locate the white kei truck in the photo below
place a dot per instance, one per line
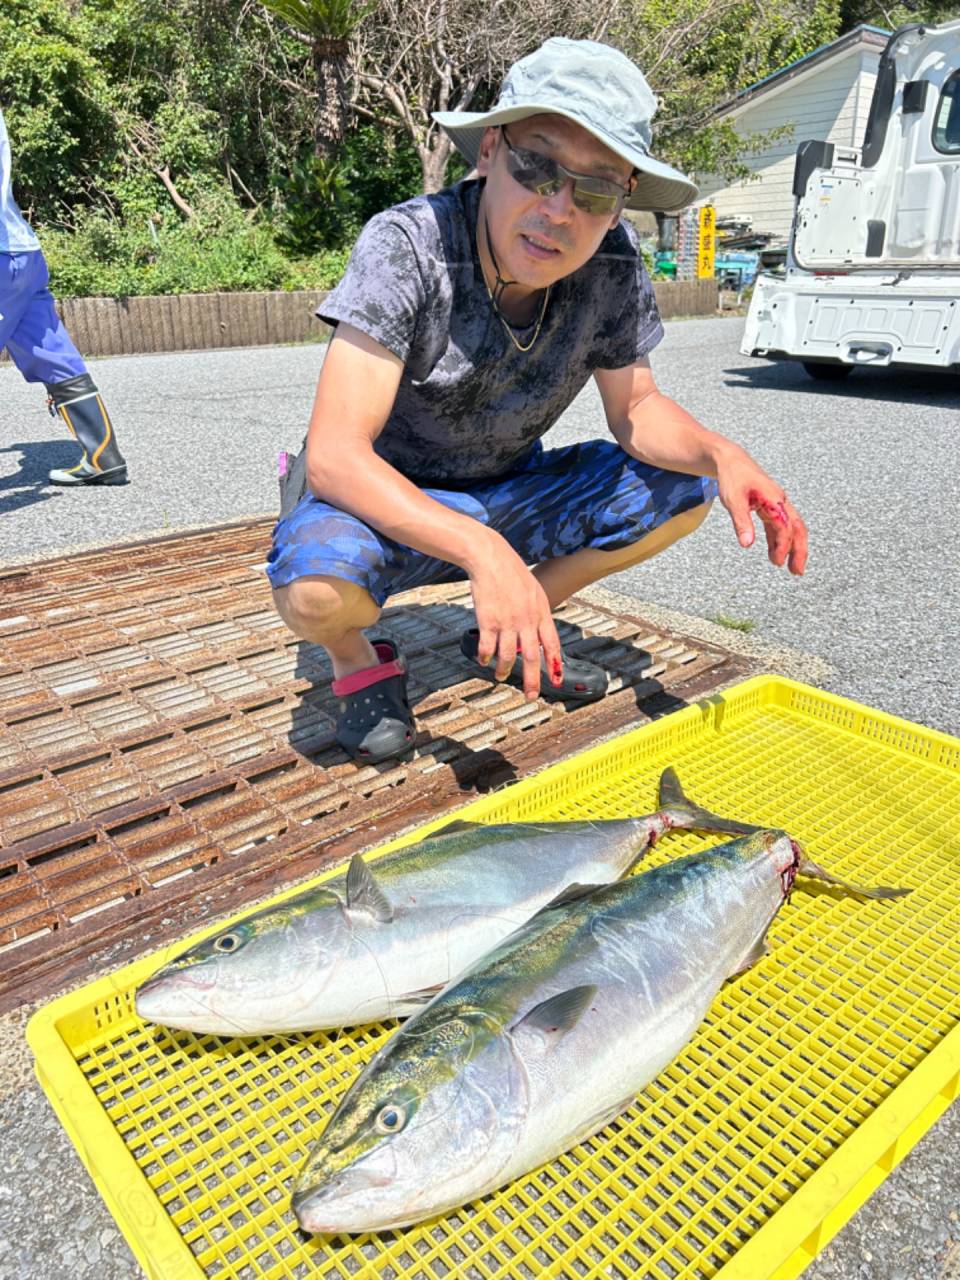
(873, 267)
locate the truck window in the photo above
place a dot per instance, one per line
(946, 126)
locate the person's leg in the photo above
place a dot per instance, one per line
(78, 402)
(19, 273)
(330, 575)
(581, 512)
(42, 350)
(563, 576)
(374, 721)
(331, 612)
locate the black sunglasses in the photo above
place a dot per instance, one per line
(545, 177)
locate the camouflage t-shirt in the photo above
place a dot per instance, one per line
(470, 405)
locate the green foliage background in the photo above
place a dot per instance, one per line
(100, 96)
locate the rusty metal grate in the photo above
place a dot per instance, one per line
(167, 750)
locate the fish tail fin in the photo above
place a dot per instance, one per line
(808, 868)
(684, 813)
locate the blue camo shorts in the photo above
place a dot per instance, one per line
(561, 500)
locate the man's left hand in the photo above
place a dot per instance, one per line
(746, 488)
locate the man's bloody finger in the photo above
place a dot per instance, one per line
(798, 552)
(742, 524)
(781, 542)
(552, 653)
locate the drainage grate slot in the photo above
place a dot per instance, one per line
(137, 824)
(147, 743)
(267, 775)
(209, 797)
(34, 717)
(17, 783)
(90, 762)
(22, 942)
(206, 724)
(63, 852)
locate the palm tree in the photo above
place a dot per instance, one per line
(325, 26)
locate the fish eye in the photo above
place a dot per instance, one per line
(390, 1119)
(227, 942)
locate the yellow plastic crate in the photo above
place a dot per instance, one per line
(811, 1078)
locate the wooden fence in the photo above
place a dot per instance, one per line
(201, 321)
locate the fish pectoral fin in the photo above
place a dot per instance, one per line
(364, 894)
(600, 1119)
(756, 953)
(808, 868)
(558, 1014)
(684, 813)
(413, 1001)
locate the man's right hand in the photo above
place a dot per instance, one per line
(513, 614)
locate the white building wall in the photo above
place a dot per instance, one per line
(829, 103)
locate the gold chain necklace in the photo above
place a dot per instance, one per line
(506, 324)
(501, 285)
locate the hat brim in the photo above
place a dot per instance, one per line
(659, 186)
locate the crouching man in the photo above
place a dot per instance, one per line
(465, 324)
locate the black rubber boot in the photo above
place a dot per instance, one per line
(78, 403)
(375, 721)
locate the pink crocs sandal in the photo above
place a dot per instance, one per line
(375, 721)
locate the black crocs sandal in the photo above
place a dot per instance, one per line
(375, 721)
(582, 681)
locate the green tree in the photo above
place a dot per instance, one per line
(697, 56)
(56, 99)
(325, 27)
(414, 59)
(891, 16)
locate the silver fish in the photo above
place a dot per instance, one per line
(546, 1039)
(378, 943)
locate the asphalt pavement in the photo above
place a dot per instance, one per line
(874, 466)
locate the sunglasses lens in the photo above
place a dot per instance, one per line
(533, 171)
(543, 176)
(593, 201)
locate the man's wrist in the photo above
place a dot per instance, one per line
(478, 550)
(723, 452)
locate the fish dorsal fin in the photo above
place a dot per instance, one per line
(671, 793)
(572, 893)
(685, 813)
(455, 828)
(558, 1014)
(364, 894)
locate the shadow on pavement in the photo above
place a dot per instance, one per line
(920, 387)
(30, 484)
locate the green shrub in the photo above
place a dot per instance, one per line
(324, 203)
(220, 249)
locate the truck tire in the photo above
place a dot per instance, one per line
(827, 372)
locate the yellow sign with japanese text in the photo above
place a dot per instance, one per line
(707, 242)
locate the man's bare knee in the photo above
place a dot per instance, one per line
(320, 608)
